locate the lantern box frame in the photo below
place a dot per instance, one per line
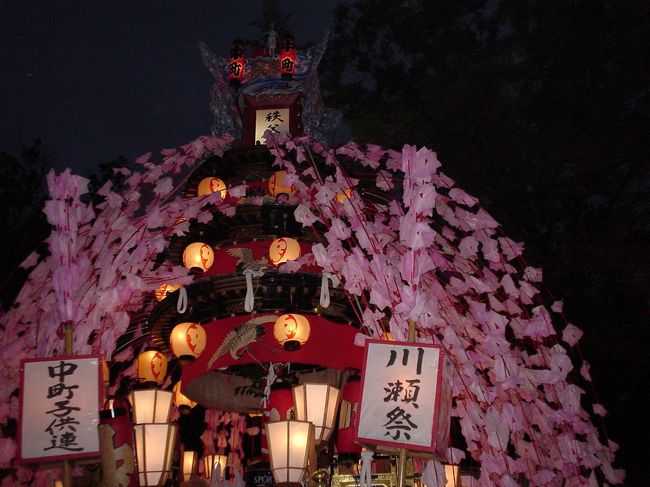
(270, 102)
(22, 415)
(439, 409)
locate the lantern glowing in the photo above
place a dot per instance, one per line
(287, 57)
(187, 341)
(452, 474)
(284, 249)
(317, 403)
(198, 257)
(181, 401)
(344, 195)
(161, 292)
(151, 405)
(151, 366)
(212, 185)
(212, 463)
(189, 464)
(291, 331)
(278, 185)
(236, 63)
(154, 445)
(291, 443)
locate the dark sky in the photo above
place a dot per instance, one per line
(98, 79)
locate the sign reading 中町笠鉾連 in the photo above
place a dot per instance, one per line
(59, 408)
(403, 395)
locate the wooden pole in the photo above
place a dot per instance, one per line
(67, 467)
(401, 460)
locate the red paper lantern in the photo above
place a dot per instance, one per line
(287, 57)
(349, 417)
(280, 403)
(116, 444)
(236, 63)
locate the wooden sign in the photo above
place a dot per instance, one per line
(59, 408)
(404, 401)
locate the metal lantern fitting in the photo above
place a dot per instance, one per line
(291, 445)
(151, 405)
(211, 185)
(317, 403)
(210, 464)
(198, 257)
(284, 249)
(181, 401)
(189, 464)
(291, 331)
(278, 185)
(287, 57)
(151, 366)
(161, 292)
(187, 341)
(154, 445)
(236, 63)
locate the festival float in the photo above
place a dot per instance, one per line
(271, 305)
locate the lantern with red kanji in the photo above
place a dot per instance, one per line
(279, 186)
(151, 366)
(236, 63)
(187, 341)
(280, 402)
(291, 331)
(287, 57)
(284, 249)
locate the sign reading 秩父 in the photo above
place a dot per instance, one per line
(403, 396)
(59, 408)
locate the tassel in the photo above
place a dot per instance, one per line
(325, 290)
(249, 301)
(181, 305)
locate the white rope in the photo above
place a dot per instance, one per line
(181, 304)
(325, 288)
(249, 301)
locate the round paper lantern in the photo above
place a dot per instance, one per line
(279, 186)
(151, 366)
(212, 185)
(198, 257)
(187, 341)
(291, 331)
(284, 249)
(162, 292)
(181, 401)
(343, 195)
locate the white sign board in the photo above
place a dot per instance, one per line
(59, 408)
(400, 401)
(275, 120)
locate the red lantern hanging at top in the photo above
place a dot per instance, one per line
(236, 63)
(287, 57)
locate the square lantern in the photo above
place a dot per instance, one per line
(151, 406)
(212, 463)
(317, 403)
(154, 445)
(189, 465)
(291, 450)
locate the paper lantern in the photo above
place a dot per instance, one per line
(317, 403)
(341, 196)
(291, 445)
(116, 443)
(187, 341)
(189, 464)
(198, 257)
(151, 366)
(280, 402)
(291, 331)
(348, 417)
(236, 63)
(287, 57)
(284, 249)
(452, 474)
(154, 445)
(151, 405)
(212, 185)
(161, 292)
(278, 185)
(181, 401)
(212, 462)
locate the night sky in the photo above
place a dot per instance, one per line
(95, 80)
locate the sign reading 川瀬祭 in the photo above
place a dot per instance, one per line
(405, 400)
(59, 408)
